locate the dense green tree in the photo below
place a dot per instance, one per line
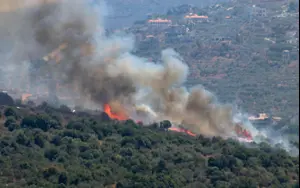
(22, 139)
(292, 6)
(5, 99)
(10, 111)
(41, 121)
(9, 120)
(65, 109)
(51, 154)
(165, 124)
(39, 139)
(89, 152)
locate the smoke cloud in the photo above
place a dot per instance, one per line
(108, 72)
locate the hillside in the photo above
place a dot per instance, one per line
(248, 67)
(243, 53)
(125, 13)
(46, 147)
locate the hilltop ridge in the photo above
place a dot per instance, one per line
(43, 146)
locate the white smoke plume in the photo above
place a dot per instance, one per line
(267, 134)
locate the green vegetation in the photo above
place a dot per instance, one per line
(250, 69)
(292, 6)
(46, 147)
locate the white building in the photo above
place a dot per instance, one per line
(259, 12)
(193, 18)
(159, 23)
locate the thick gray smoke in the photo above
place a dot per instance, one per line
(108, 71)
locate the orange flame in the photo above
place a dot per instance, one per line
(113, 115)
(242, 132)
(181, 130)
(25, 96)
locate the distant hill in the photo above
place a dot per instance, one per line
(125, 13)
(247, 68)
(121, 13)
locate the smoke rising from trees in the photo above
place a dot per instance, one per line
(109, 72)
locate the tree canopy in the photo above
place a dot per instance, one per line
(46, 147)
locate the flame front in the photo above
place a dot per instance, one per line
(112, 115)
(121, 116)
(243, 132)
(181, 130)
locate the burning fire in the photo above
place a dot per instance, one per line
(243, 132)
(181, 130)
(119, 114)
(243, 135)
(114, 115)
